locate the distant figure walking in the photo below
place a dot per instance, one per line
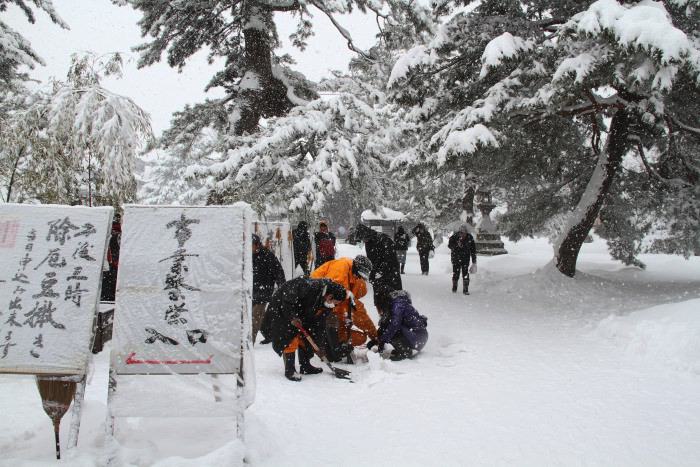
(302, 247)
(462, 248)
(401, 242)
(325, 244)
(424, 245)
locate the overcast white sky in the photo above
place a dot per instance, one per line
(102, 27)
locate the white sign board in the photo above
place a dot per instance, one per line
(277, 237)
(182, 291)
(50, 267)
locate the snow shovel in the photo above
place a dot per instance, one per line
(348, 330)
(338, 372)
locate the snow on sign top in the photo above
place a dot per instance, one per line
(382, 214)
(182, 290)
(50, 266)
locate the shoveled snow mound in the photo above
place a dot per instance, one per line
(668, 334)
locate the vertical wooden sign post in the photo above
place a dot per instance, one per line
(50, 268)
(181, 338)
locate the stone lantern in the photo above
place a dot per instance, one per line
(488, 240)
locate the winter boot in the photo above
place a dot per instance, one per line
(305, 366)
(454, 285)
(290, 371)
(465, 290)
(401, 350)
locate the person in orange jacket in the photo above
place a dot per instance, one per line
(351, 274)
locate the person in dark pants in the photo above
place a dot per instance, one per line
(401, 242)
(424, 245)
(382, 253)
(302, 247)
(400, 325)
(325, 244)
(301, 302)
(462, 248)
(109, 277)
(267, 271)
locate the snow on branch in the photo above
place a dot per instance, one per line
(645, 25)
(506, 46)
(302, 156)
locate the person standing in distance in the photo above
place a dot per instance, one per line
(325, 244)
(267, 271)
(462, 248)
(302, 246)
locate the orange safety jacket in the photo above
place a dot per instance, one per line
(340, 271)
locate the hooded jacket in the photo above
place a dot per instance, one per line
(340, 271)
(267, 271)
(299, 298)
(462, 249)
(302, 242)
(403, 318)
(381, 251)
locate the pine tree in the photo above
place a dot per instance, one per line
(546, 100)
(16, 52)
(306, 150)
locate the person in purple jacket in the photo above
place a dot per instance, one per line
(400, 325)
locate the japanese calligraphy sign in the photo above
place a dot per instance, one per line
(277, 237)
(50, 267)
(182, 290)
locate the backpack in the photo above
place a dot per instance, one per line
(326, 248)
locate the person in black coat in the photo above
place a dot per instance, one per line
(267, 271)
(325, 244)
(302, 246)
(109, 277)
(381, 251)
(424, 245)
(462, 248)
(301, 302)
(401, 242)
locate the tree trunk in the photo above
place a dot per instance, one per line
(14, 172)
(582, 218)
(468, 203)
(269, 97)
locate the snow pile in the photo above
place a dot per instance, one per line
(382, 214)
(668, 334)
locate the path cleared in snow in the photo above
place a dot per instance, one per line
(531, 369)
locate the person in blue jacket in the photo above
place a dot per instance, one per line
(400, 325)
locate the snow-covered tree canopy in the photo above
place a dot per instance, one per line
(76, 136)
(15, 51)
(306, 150)
(545, 99)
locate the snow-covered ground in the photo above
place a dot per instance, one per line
(531, 369)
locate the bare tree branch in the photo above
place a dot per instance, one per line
(344, 32)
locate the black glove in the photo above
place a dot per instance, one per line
(373, 343)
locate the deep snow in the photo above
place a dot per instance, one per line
(531, 369)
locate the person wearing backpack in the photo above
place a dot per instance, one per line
(325, 244)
